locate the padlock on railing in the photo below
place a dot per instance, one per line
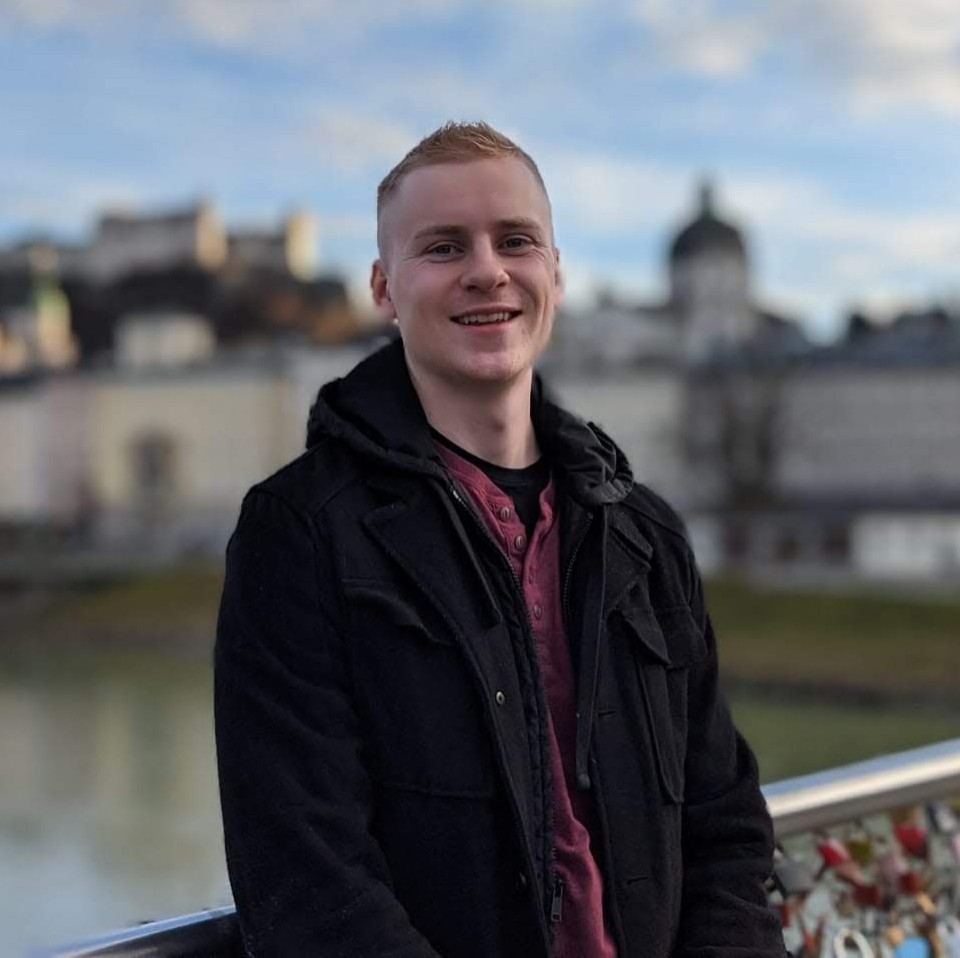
(846, 943)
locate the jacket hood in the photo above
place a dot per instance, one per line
(375, 410)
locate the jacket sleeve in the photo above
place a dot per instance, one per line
(308, 878)
(727, 832)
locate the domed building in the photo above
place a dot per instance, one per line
(710, 284)
(708, 315)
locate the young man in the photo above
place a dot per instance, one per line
(466, 688)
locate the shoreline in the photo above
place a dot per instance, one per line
(862, 648)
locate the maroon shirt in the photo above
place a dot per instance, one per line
(581, 932)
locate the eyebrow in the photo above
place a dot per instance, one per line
(451, 229)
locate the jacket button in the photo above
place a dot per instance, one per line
(538, 611)
(520, 543)
(504, 513)
(499, 698)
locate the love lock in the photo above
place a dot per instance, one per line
(848, 942)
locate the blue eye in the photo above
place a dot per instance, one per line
(516, 242)
(442, 249)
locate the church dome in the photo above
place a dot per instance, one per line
(707, 233)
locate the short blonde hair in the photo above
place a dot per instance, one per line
(454, 142)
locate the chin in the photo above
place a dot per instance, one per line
(494, 369)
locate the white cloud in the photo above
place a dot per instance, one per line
(72, 206)
(350, 142)
(885, 54)
(806, 211)
(696, 36)
(820, 253)
(77, 14)
(272, 27)
(342, 226)
(283, 26)
(608, 196)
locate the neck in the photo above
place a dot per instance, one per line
(492, 421)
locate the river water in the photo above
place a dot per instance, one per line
(108, 798)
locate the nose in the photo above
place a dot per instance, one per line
(483, 269)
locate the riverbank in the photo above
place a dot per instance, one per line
(860, 646)
(172, 610)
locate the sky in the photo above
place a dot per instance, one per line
(830, 128)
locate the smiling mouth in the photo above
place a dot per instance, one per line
(485, 319)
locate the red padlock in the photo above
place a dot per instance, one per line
(868, 896)
(833, 852)
(911, 883)
(912, 838)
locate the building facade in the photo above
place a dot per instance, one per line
(783, 457)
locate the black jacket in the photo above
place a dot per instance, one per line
(381, 722)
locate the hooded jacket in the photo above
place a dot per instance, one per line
(381, 720)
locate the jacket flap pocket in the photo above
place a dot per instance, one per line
(372, 599)
(663, 690)
(682, 637)
(646, 629)
(628, 560)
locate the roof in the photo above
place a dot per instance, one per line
(707, 232)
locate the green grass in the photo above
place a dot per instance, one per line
(184, 592)
(174, 608)
(895, 644)
(791, 738)
(828, 640)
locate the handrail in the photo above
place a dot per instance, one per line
(837, 795)
(204, 934)
(801, 804)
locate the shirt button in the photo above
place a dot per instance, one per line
(520, 543)
(538, 611)
(504, 513)
(499, 698)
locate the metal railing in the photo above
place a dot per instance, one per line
(838, 795)
(205, 934)
(797, 805)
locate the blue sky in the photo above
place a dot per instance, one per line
(831, 127)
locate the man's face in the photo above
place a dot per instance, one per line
(469, 270)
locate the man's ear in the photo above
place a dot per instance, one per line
(380, 289)
(558, 276)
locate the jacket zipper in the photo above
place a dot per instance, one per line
(568, 576)
(460, 499)
(603, 821)
(556, 901)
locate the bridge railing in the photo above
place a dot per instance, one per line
(806, 805)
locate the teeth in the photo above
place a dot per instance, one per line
(480, 319)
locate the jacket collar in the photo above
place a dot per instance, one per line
(375, 409)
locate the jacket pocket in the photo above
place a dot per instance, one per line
(424, 732)
(379, 601)
(664, 642)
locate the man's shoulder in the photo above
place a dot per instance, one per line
(307, 484)
(655, 517)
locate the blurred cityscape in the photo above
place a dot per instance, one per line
(185, 220)
(151, 374)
